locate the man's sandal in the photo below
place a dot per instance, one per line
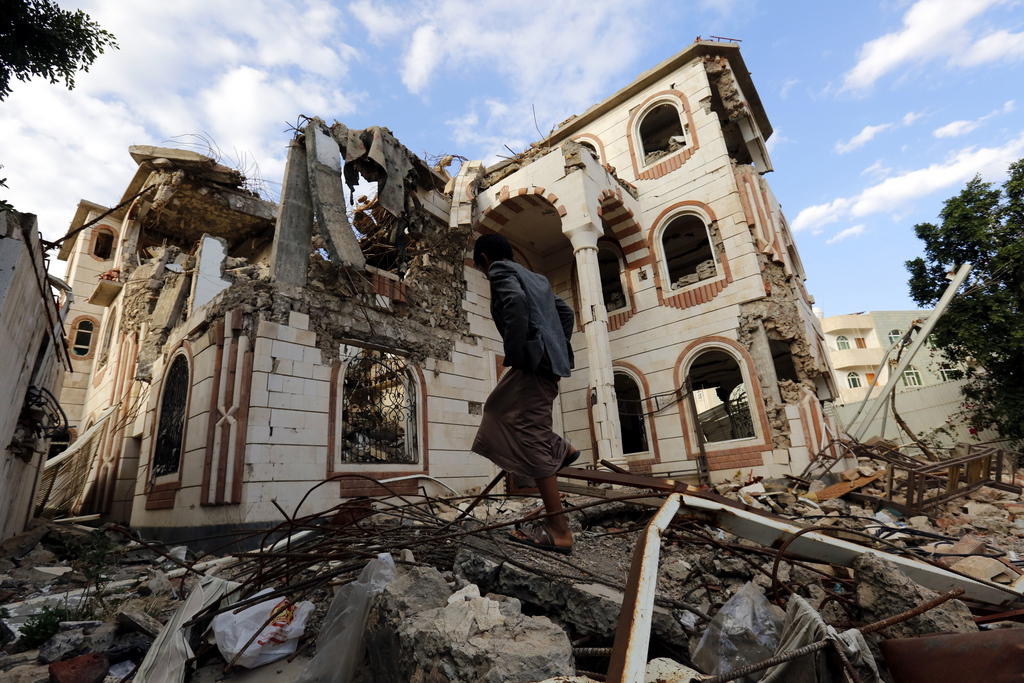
(538, 536)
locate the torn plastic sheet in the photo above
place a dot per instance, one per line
(339, 647)
(804, 626)
(165, 661)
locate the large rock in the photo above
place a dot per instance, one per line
(884, 591)
(416, 633)
(592, 609)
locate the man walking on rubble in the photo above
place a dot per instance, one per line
(515, 432)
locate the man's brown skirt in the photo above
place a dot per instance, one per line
(515, 432)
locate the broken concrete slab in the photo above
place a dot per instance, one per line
(289, 258)
(88, 668)
(209, 280)
(884, 591)
(591, 609)
(412, 637)
(323, 160)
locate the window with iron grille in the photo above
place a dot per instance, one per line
(170, 434)
(379, 415)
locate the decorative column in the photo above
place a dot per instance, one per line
(603, 407)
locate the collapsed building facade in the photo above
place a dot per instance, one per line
(227, 352)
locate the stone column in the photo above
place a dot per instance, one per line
(594, 319)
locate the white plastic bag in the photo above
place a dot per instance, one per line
(278, 639)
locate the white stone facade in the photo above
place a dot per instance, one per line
(259, 370)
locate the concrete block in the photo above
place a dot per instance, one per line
(298, 320)
(287, 350)
(312, 355)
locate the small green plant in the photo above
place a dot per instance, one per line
(39, 628)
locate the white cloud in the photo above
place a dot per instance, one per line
(555, 57)
(931, 29)
(910, 117)
(964, 126)
(424, 54)
(379, 20)
(896, 192)
(236, 70)
(852, 231)
(787, 85)
(877, 170)
(996, 46)
(866, 134)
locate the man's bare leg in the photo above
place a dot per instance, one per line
(557, 524)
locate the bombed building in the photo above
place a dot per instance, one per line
(229, 353)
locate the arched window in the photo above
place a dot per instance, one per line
(895, 336)
(103, 246)
(853, 380)
(81, 345)
(842, 343)
(610, 267)
(950, 373)
(720, 397)
(661, 132)
(911, 377)
(688, 255)
(631, 414)
(592, 147)
(170, 433)
(379, 414)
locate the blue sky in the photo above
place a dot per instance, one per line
(881, 109)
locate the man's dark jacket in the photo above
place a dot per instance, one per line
(534, 324)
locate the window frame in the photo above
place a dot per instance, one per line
(911, 371)
(611, 245)
(899, 335)
(684, 123)
(645, 422)
(73, 333)
(753, 397)
(947, 369)
(840, 340)
(176, 475)
(662, 257)
(94, 238)
(851, 377)
(347, 355)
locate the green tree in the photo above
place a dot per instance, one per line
(38, 38)
(983, 328)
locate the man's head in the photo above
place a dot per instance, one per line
(491, 248)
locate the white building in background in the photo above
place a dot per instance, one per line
(929, 389)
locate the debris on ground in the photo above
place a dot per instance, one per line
(421, 588)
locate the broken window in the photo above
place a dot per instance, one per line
(949, 373)
(82, 344)
(895, 336)
(103, 246)
(610, 266)
(661, 132)
(782, 359)
(842, 343)
(170, 434)
(631, 414)
(721, 397)
(688, 255)
(591, 147)
(911, 377)
(853, 380)
(380, 411)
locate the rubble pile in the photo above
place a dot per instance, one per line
(417, 589)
